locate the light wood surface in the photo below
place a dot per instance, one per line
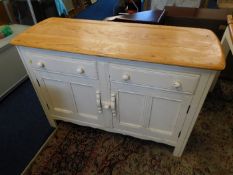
(179, 46)
(225, 4)
(230, 24)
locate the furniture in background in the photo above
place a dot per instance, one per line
(3, 15)
(145, 17)
(28, 12)
(213, 19)
(12, 71)
(146, 81)
(225, 4)
(42, 9)
(146, 5)
(133, 6)
(227, 44)
(160, 4)
(125, 7)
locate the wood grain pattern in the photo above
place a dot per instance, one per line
(225, 4)
(179, 46)
(230, 24)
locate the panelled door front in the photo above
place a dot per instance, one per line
(73, 97)
(149, 112)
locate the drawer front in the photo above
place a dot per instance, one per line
(63, 65)
(168, 80)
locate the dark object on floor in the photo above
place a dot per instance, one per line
(23, 129)
(213, 19)
(82, 150)
(145, 17)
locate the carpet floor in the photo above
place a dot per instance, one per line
(76, 150)
(23, 129)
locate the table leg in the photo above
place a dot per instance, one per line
(227, 46)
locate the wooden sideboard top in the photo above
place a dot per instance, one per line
(188, 47)
(230, 24)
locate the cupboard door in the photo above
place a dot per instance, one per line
(152, 113)
(58, 96)
(167, 115)
(86, 101)
(130, 111)
(72, 97)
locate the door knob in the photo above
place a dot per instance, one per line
(80, 70)
(176, 84)
(107, 106)
(125, 77)
(40, 65)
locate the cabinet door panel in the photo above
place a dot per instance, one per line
(167, 115)
(152, 113)
(85, 99)
(164, 114)
(69, 96)
(59, 96)
(130, 107)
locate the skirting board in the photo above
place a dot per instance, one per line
(13, 87)
(38, 152)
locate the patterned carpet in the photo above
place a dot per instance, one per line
(76, 150)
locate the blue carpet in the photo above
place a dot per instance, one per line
(99, 10)
(212, 4)
(23, 129)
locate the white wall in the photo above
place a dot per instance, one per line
(160, 4)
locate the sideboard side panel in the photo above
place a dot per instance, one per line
(196, 105)
(35, 86)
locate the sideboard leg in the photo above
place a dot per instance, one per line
(214, 81)
(52, 123)
(227, 47)
(178, 151)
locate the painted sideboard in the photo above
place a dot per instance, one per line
(145, 81)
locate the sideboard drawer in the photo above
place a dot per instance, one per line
(168, 80)
(63, 65)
